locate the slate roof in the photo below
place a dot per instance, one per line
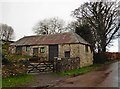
(62, 38)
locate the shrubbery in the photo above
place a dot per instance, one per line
(99, 58)
(13, 69)
(11, 65)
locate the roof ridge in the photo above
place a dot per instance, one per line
(59, 38)
(46, 34)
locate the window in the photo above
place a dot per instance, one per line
(86, 48)
(67, 54)
(19, 50)
(35, 51)
(42, 49)
(27, 48)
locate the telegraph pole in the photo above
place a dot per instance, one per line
(119, 41)
(119, 28)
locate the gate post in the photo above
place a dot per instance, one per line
(58, 65)
(54, 64)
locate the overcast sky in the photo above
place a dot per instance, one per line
(22, 15)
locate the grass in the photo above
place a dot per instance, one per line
(84, 70)
(22, 56)
(111, 61)
(0, 82)
(20, 80)
(79, 71)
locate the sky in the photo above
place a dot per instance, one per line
(22, 15)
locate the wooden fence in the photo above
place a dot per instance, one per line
(63, 64)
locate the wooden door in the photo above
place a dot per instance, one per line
(53, 52)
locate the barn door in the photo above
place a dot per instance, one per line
(53, 52)
(35, 51)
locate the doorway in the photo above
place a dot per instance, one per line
(35, 51)
(53, 52)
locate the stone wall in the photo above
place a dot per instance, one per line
(87, 56)
(63, 64)
(41, 55)
(76, 50)
(30, 53)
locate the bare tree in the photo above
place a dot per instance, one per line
(103, 20)
(49, 26)
(6, 32)
(72, 26)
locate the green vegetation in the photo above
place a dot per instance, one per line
(22, 56)
(110, 61)
(20, 80)
(0, 82)
(12, 64)
(14, 69)
(79, 71)
(84, 70)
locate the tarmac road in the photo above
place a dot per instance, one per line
(112, 79)
(106, 77)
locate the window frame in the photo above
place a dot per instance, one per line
(27, 48)
(42, 49)
(67, 53)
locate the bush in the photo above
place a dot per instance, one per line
(5, 61)
(99, 58)
(25, 62)
(13, 69)
(12, 66)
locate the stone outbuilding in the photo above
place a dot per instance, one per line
(61, 45)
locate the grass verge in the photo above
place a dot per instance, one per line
(84, 70)
(20, 80)
(79, 71)
(0, 82)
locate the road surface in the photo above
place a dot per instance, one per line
(106, 77)
(112, 79)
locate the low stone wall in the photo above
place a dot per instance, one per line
(63, 64)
